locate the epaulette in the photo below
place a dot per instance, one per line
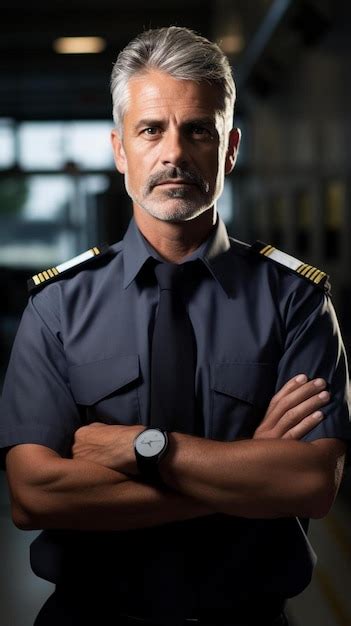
(53, 273)
(309, 272)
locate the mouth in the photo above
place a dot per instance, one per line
(174, 183)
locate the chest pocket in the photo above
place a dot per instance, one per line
(107, 388)
(241, 393)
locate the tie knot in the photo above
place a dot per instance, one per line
(168, 275)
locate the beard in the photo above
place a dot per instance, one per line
(178, 204)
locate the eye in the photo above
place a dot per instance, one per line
(151, 131)
(199, 131)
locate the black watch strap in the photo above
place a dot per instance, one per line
(149, 472)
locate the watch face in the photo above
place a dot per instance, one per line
(150, 443)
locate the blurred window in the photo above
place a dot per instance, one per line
(41, 146)
(7, 143)
(88, 144)
(45, 219)
(48, 202)
(51, 145)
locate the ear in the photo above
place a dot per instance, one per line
(118, 152)
(233, 149)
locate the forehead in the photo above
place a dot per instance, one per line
(157, 93)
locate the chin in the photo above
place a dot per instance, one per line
(176, 214)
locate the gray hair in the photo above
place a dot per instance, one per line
(179, 52)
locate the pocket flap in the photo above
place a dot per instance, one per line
(251, 382)
(90, 382)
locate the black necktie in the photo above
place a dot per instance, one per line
(173, 355)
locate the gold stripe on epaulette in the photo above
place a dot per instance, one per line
(267, 250)
(310, 272)
(305, 270)
(45, 275)
(314, 274)
(319, 278)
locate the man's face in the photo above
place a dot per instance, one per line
(173, 152)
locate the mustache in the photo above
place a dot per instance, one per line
(188, 176)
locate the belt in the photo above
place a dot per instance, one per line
(211, 620)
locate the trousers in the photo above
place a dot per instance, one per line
(63, 610)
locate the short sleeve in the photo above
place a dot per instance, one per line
(314, 346)
(37, 405)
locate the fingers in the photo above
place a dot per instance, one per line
(293, 396)
(291, 385)
(304, 426)
(295, 409)
(302, 414)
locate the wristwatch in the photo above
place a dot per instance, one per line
(150, 446)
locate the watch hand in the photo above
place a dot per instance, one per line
(150, 441)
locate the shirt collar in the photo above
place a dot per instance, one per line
(136, 251)
(215, 256)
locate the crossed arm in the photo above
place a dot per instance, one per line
(274, 474)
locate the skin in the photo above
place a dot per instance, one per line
(174, 154)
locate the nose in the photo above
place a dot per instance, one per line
(173, 148)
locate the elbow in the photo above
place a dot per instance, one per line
(24, 522)
(22, 518)
(321, 508)
(327, 475)
(27, 508)
(31, 472)
(322, 497)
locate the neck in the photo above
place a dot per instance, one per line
(175, 240)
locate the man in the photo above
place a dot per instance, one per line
(209, 525)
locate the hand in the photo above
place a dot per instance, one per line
(294, 410)
(110, 446)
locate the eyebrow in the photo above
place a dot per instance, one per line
(145, 123)
(208, 121)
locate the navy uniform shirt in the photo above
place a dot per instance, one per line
(82, 354)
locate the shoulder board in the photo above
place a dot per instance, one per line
(53, 273)
(309, 272)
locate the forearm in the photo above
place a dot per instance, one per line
(263, 479)
(82, 495)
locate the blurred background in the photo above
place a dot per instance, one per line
(60, 194)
